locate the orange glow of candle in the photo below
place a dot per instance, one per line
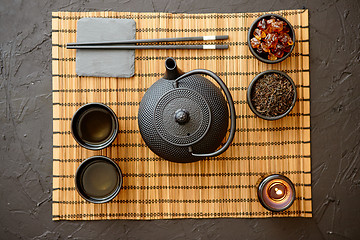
(276, 193)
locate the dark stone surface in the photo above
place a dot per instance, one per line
(26, 127)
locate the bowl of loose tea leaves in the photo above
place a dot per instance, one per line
(271, 38)
(271, 95)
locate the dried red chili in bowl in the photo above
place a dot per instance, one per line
(271, 38)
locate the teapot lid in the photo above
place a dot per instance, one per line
(182, 117)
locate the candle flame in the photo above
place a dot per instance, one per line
(278, 191)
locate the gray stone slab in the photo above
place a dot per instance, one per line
(105, 62)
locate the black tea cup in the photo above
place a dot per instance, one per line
(94, 126)
(98, 179)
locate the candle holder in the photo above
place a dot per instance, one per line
(276, 193)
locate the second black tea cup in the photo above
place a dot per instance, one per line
(98, 179)
(94, 126)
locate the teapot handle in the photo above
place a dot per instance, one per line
(231, 107)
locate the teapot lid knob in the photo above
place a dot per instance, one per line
(182, 116)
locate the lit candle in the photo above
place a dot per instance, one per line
(276, 193)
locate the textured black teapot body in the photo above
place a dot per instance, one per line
(184, 117)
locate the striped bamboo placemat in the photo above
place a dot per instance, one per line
(154, 188)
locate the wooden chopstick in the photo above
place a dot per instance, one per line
(180, 39)
(130, 47)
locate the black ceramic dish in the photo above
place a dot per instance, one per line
(263, 57)
(94, 126)
(250, 88)
(98, 179)
(276, 205)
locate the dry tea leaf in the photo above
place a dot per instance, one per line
(272, 95)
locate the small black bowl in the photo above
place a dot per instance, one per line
(94, 126)
(98, 179)
(249, 91)
(263, 57)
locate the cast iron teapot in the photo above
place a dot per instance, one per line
(183, 117)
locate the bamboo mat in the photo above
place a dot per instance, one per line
(224, 186)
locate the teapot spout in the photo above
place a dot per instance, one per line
(172, 71)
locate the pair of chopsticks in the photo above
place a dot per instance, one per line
(122, 44)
